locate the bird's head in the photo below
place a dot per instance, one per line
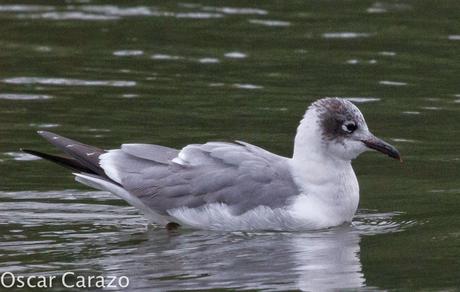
(339, 128)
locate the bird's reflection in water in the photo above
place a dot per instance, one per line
(313, 261)
(329, 260)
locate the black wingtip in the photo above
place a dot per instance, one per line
(64, 161)
(52, 137)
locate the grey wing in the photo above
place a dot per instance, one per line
(240, 175)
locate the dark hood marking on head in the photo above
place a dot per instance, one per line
(332, 113)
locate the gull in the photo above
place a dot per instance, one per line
(237, 186)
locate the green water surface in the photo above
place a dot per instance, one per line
(175, 73)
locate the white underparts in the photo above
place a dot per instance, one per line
(220, 217)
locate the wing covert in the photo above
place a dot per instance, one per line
(241, 175)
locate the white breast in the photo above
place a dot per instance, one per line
(329, 194)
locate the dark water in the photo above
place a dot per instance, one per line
(175, 73)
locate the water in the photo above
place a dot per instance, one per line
(175, 73)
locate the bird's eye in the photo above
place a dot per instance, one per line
(349, 127)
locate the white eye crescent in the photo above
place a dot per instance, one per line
(349, 127)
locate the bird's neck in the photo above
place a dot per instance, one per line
(308, 143)
(311, 158)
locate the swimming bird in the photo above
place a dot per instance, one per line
(237, 186)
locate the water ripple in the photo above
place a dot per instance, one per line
(236, 10)
(24, 8)
(105, 12)
(123, 53)
(209, 60)
(45, 125)
(235, 55)
(454, 37)
(165, 57)
(111, 10)
(356, 61)
(71, 15)
(68, 82)
(403, 140)
(387, 53)
(345, 35)
(362, 99)
(247, 86)
(20, 156)
(198, 15)
(383, 7)
(432, 108)
(15, 96)
(392, 83)
(370, 222)
(275, 23)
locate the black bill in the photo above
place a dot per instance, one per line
(382, 146)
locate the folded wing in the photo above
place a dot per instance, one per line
(239, 175)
